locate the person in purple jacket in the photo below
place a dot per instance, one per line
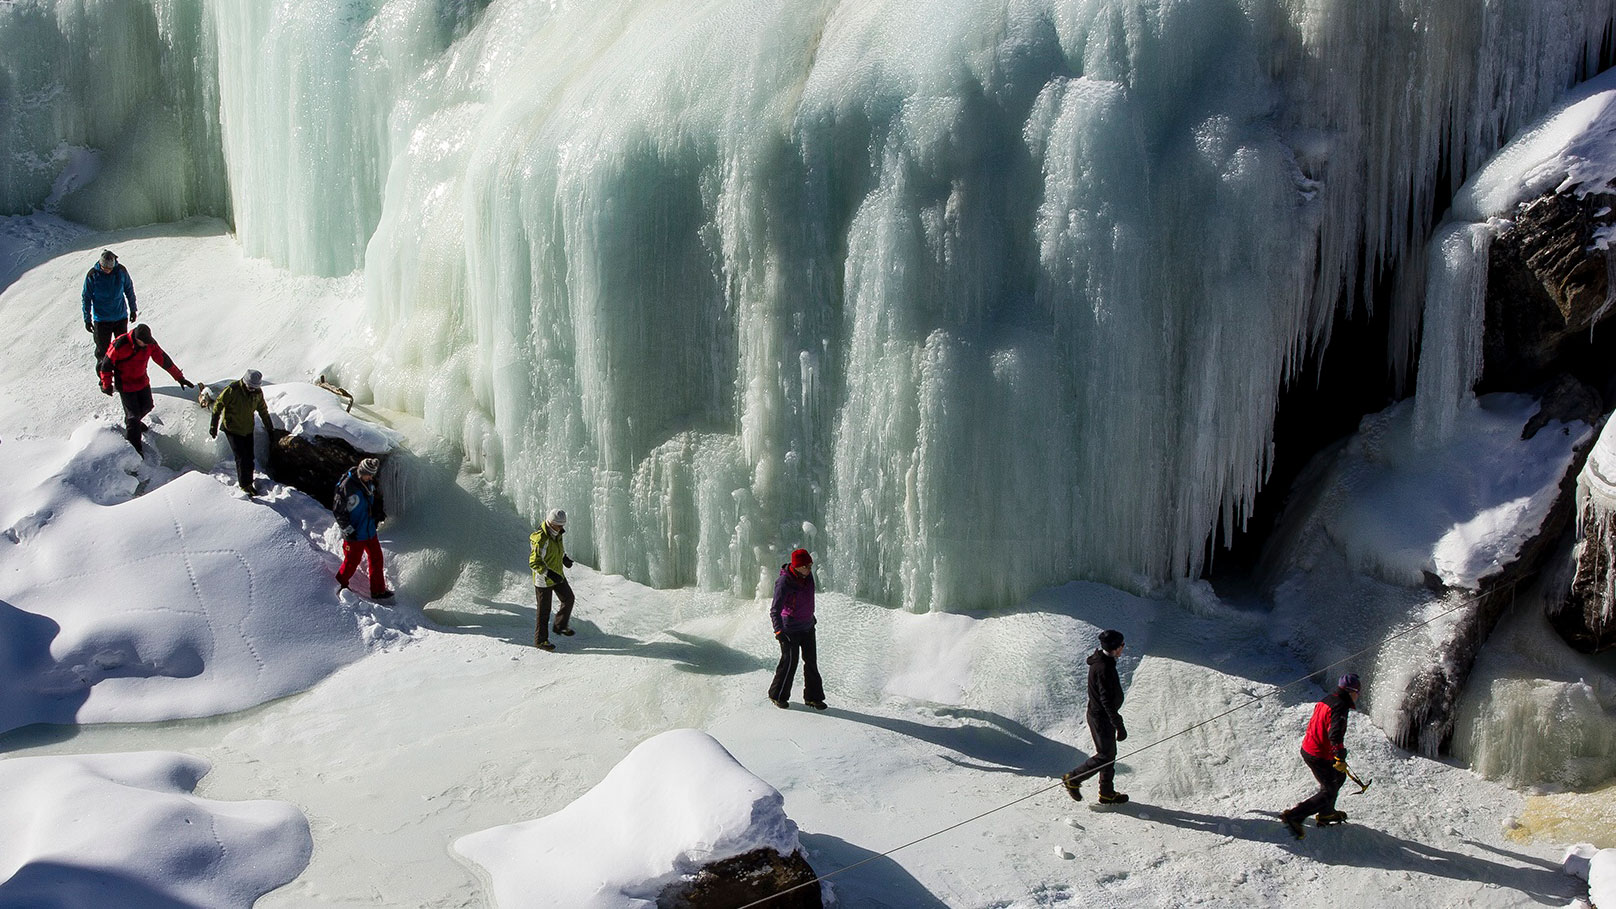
(792, 615)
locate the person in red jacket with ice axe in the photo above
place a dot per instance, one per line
(123, 369)
(1324, 755)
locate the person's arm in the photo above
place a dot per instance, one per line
(779, 601)
(88, 326)
(1111, 694)
(263, 412)
(1338, 729)
(129, 292)
(339, 508)
(218, 410)
(168, 365)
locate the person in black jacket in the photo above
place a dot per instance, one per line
(1105, 723)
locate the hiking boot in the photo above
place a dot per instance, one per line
(1326, 818)
(382, 595)
(1073, 787)
(544, 645)
(1113, 798)
(780, 704)
(1295, 825)
(566, 631)
(817, 705)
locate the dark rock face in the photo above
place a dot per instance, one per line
(744, 879)
(313, 464)
(1586, 617)
(1431, 701)
(1547, 287)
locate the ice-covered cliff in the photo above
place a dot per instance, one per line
(969, 298)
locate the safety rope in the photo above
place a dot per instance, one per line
(1140, 750)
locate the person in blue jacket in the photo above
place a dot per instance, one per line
(109, 302)
(358, 509)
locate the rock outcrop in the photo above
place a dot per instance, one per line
(312, 464)
(1586, 616)
(746, 879)
(1548, 285)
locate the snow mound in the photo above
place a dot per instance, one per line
(186, 601)
(305, 409)
(677, 802)
(124, 830)
(1459, 512)
(1598, 868)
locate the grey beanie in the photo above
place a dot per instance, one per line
(557, 516)
(252, 378)
(370, 467)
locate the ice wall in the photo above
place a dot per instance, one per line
(132, 80)
(969, 297)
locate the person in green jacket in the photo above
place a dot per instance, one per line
(235, 407)
(549, 561)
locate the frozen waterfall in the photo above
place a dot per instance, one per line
(968, 297)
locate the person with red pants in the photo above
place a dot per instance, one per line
(358, 509)
(792, 615)
(1323, 753)
(124, 369)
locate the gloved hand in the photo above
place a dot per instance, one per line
(187, 383)
(107, 392)
(554, 578)
(213, 432)
(1122, 733)
(1340, 765)
(348, 533)
(89, 326)
(566, 561)
(381, 516)
(133, 316)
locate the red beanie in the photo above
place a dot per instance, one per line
(800, 558)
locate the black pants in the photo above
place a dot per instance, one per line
(104, 333)
(795, 645)
(136, 404)
(563, 592)
(1104, 761)
(242, 448)
(1330, 780)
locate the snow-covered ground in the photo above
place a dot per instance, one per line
(442, 721)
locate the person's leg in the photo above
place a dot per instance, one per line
(786, 670)
(541, 633)
(136, 404)
(563, 619)
(813, 687)
(373, 553)
(1103, 761)
(104, 333)
(242, 448)
(351, 553)
(1324, 798)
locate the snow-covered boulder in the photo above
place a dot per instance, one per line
(124, 830)
(677, 803)
(188, 600)
(318, 440)
(1587, 616)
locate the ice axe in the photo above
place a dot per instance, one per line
(1362, 786)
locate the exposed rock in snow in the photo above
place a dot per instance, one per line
(677, 804)
(1586, 618)
(123, 830)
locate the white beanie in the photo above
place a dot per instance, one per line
(557, 516)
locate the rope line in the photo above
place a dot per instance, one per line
(1140, 750)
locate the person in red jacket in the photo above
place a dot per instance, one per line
(1324, 754)
(123, 369)
(792, 615)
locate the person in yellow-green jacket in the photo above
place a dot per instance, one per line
(235, 407)
(549, 562)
